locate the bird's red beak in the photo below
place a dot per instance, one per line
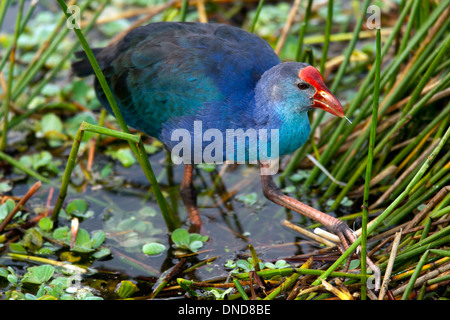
(323, 98)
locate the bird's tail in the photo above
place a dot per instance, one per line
(82, 67)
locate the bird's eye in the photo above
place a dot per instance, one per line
(302, 86)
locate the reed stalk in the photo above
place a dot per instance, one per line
(373, 127)
(415, 275)
(300, 55)
(22, 27)
(3, 7)
(255, 19)
(12, 60)
(183, 10)
(326, 42)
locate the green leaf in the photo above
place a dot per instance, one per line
(98, 237)
(82, 249)
(126, 157)
(180, 237)
(82, 237)
(101, 253)
(197, 237)
(46, 224)
(207, 167)
(82, 243)
(6, 208)
(3, 272)
(289, 189)
(230, 264)
(354, 264)
(38, 275)
(346, 202)
(153, 148)
(183, 240)
(300, 175)
(195, 245)
(51, 122)
(17, 248)
(52, 129)
(32, 239)
(29, 296)
(114, 27)
(147, 212)
(12, 278)
(153, 248)
(244, 265)
(77, 207)
(79, 90)
(106, 170)
(91, 297)
(45, 251)
(282, 264)
(126, 289)
(60, 233)
(50, 90)
(36, 161)
(249, 199)
(5, 186)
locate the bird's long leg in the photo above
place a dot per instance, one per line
(336, 226)
(189, 196)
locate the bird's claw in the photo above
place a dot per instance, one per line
(347, 237)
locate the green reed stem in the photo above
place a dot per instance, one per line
(428, 74)
(443, 253)
(22, 27)
(240, 289)
(421, 247)
(71, 162)
(21, 167)
(415, 275)
(255, 19)
(12, 59)
(138, 149)
(426, 229)
(183, 10)
(373, 127)
(299, 55)
(53, 41)
(409, 26)
(3, 7)
(68, 54)
(350, 48)
(326, 42)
